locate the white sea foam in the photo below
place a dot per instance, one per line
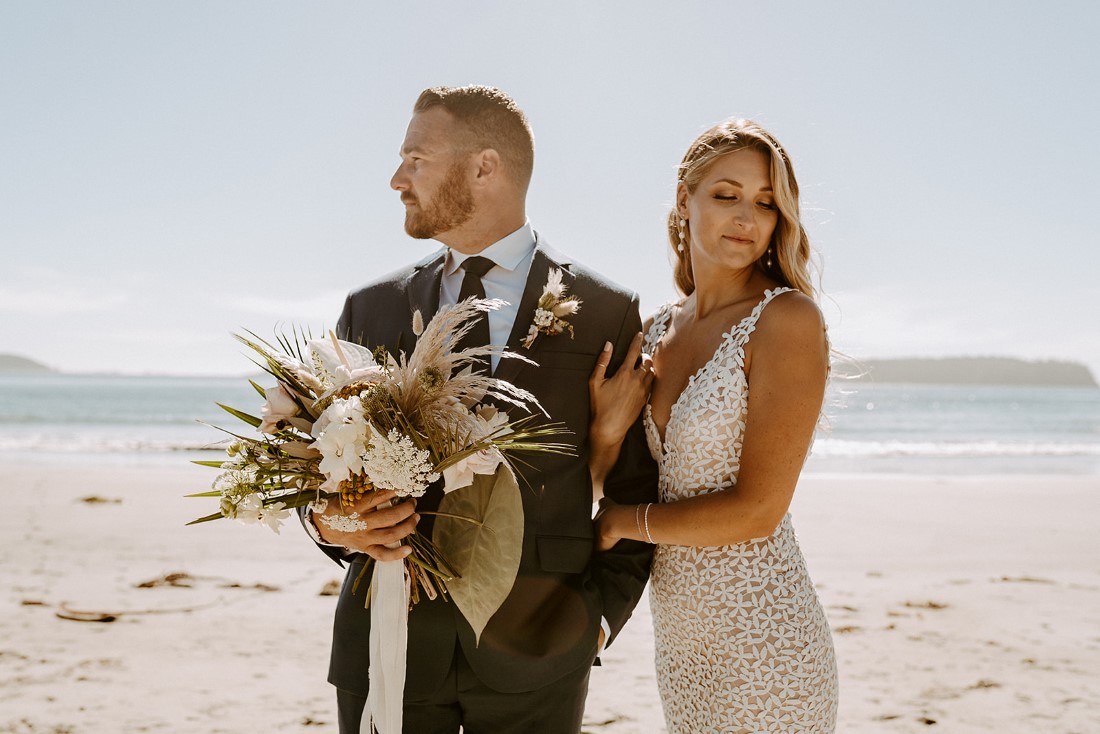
(841, 448)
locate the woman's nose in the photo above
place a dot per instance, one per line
(742, 214)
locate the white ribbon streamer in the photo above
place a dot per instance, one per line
(389, 637)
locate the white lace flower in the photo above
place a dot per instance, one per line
(235, 483)
(393, 461)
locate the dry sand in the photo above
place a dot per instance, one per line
(957, 605)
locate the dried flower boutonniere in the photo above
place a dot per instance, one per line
(554, 305)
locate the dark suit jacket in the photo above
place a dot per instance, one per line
(548, 625)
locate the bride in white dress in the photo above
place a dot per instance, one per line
(731, 386)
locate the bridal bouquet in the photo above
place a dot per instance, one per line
(342, 421)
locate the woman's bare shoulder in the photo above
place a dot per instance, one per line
(790, 318)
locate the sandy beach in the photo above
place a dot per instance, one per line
(957, 605)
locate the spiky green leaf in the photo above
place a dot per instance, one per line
(249, 419)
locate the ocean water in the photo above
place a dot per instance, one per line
(947, 429)
(868, 428)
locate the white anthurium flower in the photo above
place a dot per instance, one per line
(374, 373)
(308, 379)
(279, 407)
(345, 361)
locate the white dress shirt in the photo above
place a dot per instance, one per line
(512, 256)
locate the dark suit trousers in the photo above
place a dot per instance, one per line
(463, 700)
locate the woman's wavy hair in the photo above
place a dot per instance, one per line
(791, 261)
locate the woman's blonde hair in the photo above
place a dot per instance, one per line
(791, 261)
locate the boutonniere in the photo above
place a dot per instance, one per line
(553, 308)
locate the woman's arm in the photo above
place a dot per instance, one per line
(615, 404)
(786, 366)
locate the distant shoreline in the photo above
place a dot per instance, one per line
(988, 371)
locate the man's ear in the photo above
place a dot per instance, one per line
(488, 166)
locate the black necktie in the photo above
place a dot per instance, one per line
(472, 287)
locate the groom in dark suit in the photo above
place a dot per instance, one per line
(465, 166)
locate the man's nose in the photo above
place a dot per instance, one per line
(399, 181)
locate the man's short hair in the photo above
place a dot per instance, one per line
(491, 120)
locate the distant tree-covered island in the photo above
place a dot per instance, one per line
(972, 371)
(13, 364)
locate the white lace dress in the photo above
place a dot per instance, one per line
(742, 644)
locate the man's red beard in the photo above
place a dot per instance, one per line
(452, 207)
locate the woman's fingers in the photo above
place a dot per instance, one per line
(635, 361)
(634, 353)
(599, 374)
(647, 369)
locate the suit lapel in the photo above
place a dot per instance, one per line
(423, 291)
(543, 260)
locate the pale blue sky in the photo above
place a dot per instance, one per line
(174, 171)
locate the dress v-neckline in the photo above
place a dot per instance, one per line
(662, 436)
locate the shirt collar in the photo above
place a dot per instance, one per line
(507, 252)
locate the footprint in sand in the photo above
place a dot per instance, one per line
(187, 581)
(1023, 580)
(983, 683)
(925, 605)
(93, 499)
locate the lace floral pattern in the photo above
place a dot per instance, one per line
(742, 644)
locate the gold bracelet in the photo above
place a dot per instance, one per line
(648, 537)
(638, 519)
